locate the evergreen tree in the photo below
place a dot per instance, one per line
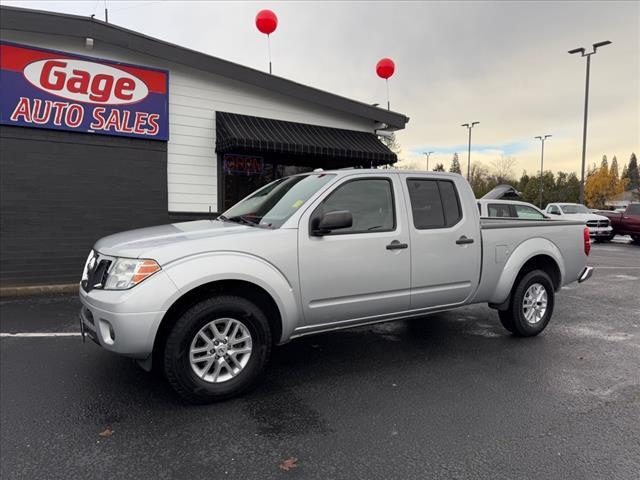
(625, 173)
(524, 180)
(613, 171)
(633, 174)
(604, 165)
(455, 164)
(572, 191)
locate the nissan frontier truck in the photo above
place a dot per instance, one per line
(205, 302)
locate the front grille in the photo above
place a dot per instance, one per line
(97, 276)
(597, 223)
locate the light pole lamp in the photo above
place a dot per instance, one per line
(542, 139)
(583, 53)
(469, 127)
(428, 154)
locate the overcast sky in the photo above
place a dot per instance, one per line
(504, 64)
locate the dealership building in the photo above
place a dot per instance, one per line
(103, 129)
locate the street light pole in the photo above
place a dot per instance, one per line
(428, 154)
(469, 127)
(582, 53)
(542, 140)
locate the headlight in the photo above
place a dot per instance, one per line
(128, 272)
(86, 266)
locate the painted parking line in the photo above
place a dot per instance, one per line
(39, 334)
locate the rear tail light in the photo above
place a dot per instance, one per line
(587, 241)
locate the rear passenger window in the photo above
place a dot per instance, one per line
(523, 211)
(499, 210)
(434, 203)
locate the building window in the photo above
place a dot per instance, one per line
(242, 175)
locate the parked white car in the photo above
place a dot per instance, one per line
(509, 209)
(599, 226)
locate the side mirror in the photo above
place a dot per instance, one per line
(331, 221)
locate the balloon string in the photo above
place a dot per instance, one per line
(388, 102)
(269, 48)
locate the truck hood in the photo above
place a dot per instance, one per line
(584, 216)
(140, 242)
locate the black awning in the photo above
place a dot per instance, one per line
(299, 142)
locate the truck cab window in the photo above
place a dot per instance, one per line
(434, 203)
(500, 210)
(370, 202)
(523, 211)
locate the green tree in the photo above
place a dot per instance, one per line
(572, 189)
(455, 164)
(531, 193)
(613, 170)
(604, 165)
(439, 167)
(478, 179)
(625, 172)
(633, 175)
(522, 183)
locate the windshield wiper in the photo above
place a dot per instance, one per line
(239, 219)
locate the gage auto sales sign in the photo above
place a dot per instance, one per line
(49, 89)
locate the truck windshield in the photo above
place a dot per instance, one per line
(574, 209)
(634, 209)
(274, 203)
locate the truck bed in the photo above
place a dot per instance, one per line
(491, 223)
(502, 242)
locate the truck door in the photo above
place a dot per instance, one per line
(445, 242)
(361, 271)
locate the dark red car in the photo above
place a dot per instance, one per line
(625, 223)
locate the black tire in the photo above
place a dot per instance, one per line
(177, 365)
(513, 319)
(635, 238)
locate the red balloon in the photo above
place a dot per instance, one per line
(385, 68)
(266, 21)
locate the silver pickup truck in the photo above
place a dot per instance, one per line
(206, 301)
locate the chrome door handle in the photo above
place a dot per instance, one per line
(464, 240)
(396, 245)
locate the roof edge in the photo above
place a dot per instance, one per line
(40, 21)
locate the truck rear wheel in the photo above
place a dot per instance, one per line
(531, 305)
(217, 349)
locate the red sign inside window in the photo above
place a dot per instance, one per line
(243, 164)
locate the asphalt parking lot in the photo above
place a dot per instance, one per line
(448, 396)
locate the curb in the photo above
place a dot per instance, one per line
(38, 290)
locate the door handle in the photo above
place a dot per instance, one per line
(396, 245)
(464, 240)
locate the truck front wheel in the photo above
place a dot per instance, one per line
(217, 349)
(531, 305)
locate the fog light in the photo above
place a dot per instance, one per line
(107, 332)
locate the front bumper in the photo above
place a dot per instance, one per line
(129, 334)
(126, 322)
(599, 232)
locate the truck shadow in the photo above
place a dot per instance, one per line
(342, 358)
